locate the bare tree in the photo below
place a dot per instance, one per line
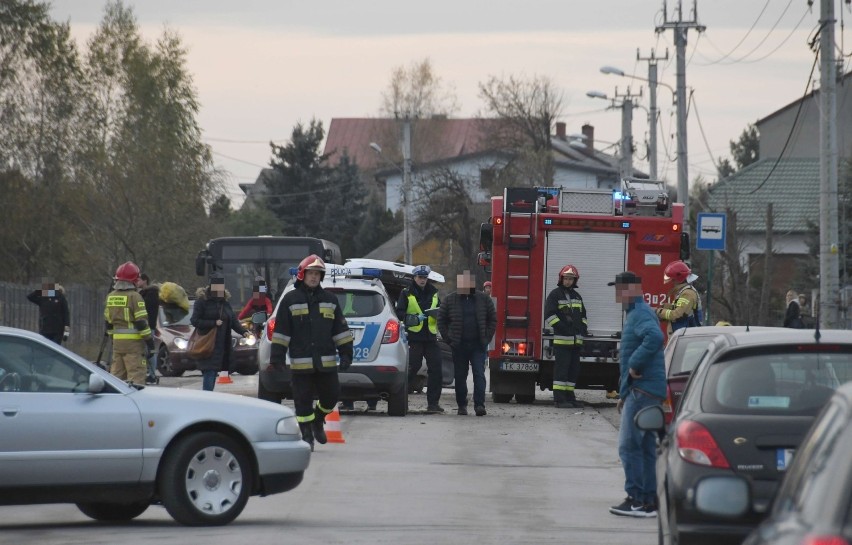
(528, 109)
(417, 92)
(446, 211)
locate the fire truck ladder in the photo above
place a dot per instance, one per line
(519, 232)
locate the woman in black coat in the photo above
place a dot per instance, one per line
(212, 309)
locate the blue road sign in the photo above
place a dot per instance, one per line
(711, 231)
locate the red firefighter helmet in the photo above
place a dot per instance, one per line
(311, 263)
(568, 270)
(677, 271)
(127, 272)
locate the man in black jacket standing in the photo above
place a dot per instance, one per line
(417, 307)
(467, 320)
(311, 327)
(54, 319)
(151, 295)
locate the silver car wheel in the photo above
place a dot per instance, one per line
(213, 480)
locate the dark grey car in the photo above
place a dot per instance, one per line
(745, 410)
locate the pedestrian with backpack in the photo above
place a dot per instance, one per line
(683, 308)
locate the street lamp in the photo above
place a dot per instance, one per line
(682, 181)
(652, 125)
(406, 187)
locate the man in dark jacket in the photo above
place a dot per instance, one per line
(151, 295)
(310, 326)
(467, 320)
(642, 384)
(565, 314)
(54, 319)
(417, 307)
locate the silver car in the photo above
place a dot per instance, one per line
(73, 433)
(380, 364)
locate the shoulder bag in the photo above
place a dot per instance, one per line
(200, 346)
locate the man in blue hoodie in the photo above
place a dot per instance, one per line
(642, 384)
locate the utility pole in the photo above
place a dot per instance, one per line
(654, 114)
(829, 260)
(680, 28)
(406, 188)
(626, 131)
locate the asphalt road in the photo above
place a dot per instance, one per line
(521, 474)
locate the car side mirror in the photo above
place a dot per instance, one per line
(722, 496)
(96, 384)
(258, 318)
(650, 419)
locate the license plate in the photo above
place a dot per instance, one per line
(523, 366)
(783, 458)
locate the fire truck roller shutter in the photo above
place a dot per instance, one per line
(599, 256)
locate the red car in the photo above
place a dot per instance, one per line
(173, 330)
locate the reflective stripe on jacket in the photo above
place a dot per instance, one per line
(565, 314)
(310, 326)
(124, 308)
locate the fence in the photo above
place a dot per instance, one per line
(86, 305)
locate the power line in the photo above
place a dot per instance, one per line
(792, 126)
(230, 141)
(214, 152)
(747, 34)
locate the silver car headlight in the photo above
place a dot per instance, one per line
(181, 343)
(288, 426)
(248, 341)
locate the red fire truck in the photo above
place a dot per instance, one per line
(532, 234)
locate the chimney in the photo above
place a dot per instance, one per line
(589, 133)
(560, 130)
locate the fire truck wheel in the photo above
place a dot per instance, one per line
(525, 399)
(501, 398)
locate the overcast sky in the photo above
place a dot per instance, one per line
(261, 66)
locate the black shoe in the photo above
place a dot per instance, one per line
(565, 405)
(317, 425)
(630, 508)
(650, 509)
(480, 410)
(462, 411)
(434, 409)
(307, 433)
(150, 380)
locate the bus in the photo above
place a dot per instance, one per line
(240, 259)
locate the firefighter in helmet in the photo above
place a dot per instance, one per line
(683, 308)
(310, 326)
(565, 314)
(127, 323)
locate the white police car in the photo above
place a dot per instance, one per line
(380, 361)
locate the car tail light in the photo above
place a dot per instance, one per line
(825, 540)
(391, 332)
(668, 406)
(695, 444)
(270, 328)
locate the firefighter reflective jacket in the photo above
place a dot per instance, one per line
(127, 317)
(310, 325)
(683, 309)
(565, 313)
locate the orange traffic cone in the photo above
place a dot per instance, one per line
(224, 378)
(332, 427)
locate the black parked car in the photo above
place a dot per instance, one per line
(746, 408)
(814, 504)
